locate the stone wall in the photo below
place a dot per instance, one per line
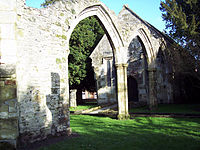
(103, 63)
(8, 111)
(42, 67)
(42, 72)
(8, 49)
(164, 86)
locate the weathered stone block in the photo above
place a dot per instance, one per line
(3, 111)
(11, 109)
(4, 115)
(7, 92)
(8, 129)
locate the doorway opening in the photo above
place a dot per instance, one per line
(132, 89)
(91, 64)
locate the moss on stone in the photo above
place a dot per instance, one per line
(60, 66)
(67, 21)
(58, 24)
(73, 11)
(62, 80)
(58, 61)
(20, 32)
(63, 60)
(64, 37)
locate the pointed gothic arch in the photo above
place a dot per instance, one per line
(107, 23)
(145, 39)
(117, 45)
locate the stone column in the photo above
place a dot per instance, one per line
(72, 98)
(122, 94)
(153, 103)
(125, 66)
(96, 77)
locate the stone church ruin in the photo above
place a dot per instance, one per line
(34, 49)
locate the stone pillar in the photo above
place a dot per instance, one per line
(96, 77)
(122, 94)
(153, 103)
(72, 98)
(8, 59)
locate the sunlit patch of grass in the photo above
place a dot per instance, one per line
(97, 133)
(82, 107)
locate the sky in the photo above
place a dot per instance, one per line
(147, 9)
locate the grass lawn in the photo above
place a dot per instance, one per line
(82, 107)
(171, 108)
(100, 133)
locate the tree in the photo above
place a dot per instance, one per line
(83, 40)
(182, 19)
(48, 2)
(183, 25)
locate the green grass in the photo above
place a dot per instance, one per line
(170, 108)
(99, 133)
(82, 107)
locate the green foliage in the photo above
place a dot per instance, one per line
(83, 40)
(48, 2)
(100, 133)
(182, 19)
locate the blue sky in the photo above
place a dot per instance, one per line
(146, 9)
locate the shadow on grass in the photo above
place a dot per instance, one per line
(97, 133)
(170, 108)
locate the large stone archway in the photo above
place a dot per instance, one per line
(117, 44)
(150, 52)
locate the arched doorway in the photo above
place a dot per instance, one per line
(117, 45)
(95, 84)
(132, 89)
(137, 71)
